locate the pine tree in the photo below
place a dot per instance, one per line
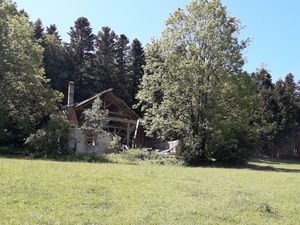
(38, 30)
(267, 109)
(289, 101)
(82, 49)
(55, 63)
(52, 30)
(137, 63)
(105, 60)
(287, 115)
(122, 83)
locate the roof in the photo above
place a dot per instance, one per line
(118, 101)
(89, 100)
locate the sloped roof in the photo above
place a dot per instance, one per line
(118, 101)
(89, 100)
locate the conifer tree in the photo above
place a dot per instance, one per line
(82, 49)
(137, 63)
(123, 81)
(38, 30)
(52, 30)
(266, 112)
(105, 59)
(287, 115)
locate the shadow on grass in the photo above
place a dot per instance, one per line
(270, 168)
(262, 163)
(269, 160)
(272, 163)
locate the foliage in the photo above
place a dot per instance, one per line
(81, 193)
(116, 143)
(24, 91)
(267, 110)
(187, 90)
(95, 118)
(105, 56)
(53, 140)
(4, 124)
(137, 56)
(81, 49)
(56, 62)
(277, 113)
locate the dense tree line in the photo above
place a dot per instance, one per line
(93, 62)
(189, 83)
(278, 113)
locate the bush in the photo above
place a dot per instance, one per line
(230, 144)
(87, 157)
(53, 139)
(192, 152)
(116, 143)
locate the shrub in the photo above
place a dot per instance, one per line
(116, 143)
(53, 139)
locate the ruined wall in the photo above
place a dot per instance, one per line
(78, 142)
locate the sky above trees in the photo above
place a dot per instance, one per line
(273, 26)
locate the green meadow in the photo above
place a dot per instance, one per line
(49, 192)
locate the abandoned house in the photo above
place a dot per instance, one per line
(123, 121)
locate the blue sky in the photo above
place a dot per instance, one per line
(272, 25)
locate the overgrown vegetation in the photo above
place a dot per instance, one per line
(133, 156)
(52, 140)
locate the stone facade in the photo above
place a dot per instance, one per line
(99, 144)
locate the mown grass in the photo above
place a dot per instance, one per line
(49, 192)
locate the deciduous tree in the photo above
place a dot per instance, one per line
(187, 88)
(24, 91)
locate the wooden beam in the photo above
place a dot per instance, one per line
(115, 127)
(121, 120)
(127, 137)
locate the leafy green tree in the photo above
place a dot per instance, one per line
(24, 91)
(52, 140)
(95, 118)
(189, 72)
(234, 132)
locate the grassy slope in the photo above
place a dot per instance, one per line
(43, 192)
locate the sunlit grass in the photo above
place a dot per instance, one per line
(47, 192)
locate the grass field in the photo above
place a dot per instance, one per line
(48, 192)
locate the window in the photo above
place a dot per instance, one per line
(90, 139)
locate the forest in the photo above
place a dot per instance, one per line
(188, 84)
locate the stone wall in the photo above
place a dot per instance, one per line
(78, 142)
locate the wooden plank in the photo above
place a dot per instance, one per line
(121, 120)
(127, 137)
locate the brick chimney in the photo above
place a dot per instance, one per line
(71, 94)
